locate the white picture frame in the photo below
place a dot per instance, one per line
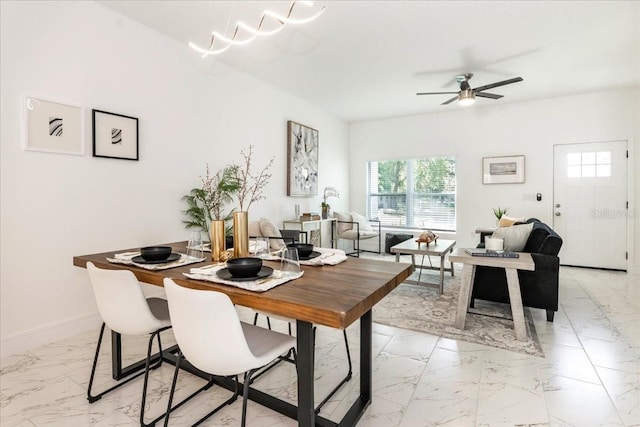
(503, 170)
(53, 127)
(302, 160)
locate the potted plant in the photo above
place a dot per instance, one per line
(500, 212)
(206, 205)
(325, 209)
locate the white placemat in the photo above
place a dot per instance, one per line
(209, 273)
(127, 258)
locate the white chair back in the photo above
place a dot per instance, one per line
(121, 302)
(207, 329)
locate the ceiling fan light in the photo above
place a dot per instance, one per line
(467, 97)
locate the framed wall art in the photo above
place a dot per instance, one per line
(114, 135)
(53, 127)
(503, 170)
(302, 160)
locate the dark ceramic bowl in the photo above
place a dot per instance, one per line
(155, 253)
(304, 249)
(244, 267)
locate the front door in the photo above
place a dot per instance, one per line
(590, 203)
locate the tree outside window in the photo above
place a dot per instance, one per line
(416, 193)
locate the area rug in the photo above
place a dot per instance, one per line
(421, 308)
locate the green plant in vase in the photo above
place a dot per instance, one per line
(208, 203)
(500, 212)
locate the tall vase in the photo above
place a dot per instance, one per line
(217, 240)
(325, 212)
(240, 234)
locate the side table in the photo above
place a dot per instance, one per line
(301, 225)
(440, 248)
(511, 266)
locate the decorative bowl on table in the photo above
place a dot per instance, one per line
(304, 249)
(244, 267)
(155, 253)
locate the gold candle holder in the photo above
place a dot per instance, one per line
(240, 234)
(217, 240)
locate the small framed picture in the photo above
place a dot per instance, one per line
(114, 135)
(503, 170)
(302, 160)
(53, 127)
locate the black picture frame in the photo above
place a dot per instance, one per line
(115, 136)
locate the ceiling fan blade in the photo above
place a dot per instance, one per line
(449, 101)
(435, 93)
(502, 83)
(488, 95)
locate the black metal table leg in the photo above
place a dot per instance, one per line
(304, 361)
(119, 372)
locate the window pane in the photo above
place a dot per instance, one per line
(413, 193)
(392, 177)
(603, 170)
(589, 158)
(588, 171)
(391, 210)
(574, 171)
(603, 157)
(574, 158)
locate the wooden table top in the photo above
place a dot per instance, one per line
(334, 296)
(524, 262)
(410, 246)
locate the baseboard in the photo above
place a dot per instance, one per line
(24, 341)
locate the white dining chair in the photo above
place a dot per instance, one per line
(212, 338)
(125, 310)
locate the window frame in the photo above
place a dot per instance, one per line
(411, 196)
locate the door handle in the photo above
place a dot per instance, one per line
(558, 214)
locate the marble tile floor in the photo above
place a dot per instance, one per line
(589, 377)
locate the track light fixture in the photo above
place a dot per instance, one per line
(220, 43)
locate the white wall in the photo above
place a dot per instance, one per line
(190, 112)
(530, 129)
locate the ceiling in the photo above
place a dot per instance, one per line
(365, 60)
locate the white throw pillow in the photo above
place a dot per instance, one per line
(507, 221)
(342, 227)
(515, 237)
(254, 229)
(269, 230)
(362, 220)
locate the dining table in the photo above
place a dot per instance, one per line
(335, 296)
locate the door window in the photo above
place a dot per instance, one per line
(589, 164)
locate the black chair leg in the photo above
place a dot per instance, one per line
(205, 387)
(147, 368)
(245, 395)
(291, 357)
(93, 398)
(344, 380)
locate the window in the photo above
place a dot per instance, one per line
(589, 164)
(419, 193)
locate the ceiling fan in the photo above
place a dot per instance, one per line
(466, 95)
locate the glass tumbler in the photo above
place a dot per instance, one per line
(194, 246)
(289, 262)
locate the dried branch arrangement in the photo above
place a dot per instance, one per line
(250, 185)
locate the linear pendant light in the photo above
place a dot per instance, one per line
(255, 32)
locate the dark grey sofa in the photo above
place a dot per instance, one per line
(539, 288)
